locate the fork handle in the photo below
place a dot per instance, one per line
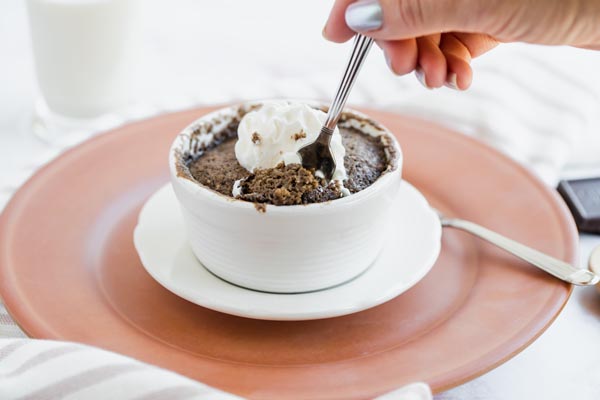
(551, 265)
(362, 44)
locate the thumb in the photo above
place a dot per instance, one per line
(402, 19)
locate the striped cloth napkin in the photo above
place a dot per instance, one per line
(52, 370)
(46, 370)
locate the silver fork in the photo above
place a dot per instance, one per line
(551, 265)
(317, 155)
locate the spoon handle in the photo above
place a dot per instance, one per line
(362, 44)
(551, 265)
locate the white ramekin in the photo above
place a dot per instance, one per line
(283, 249)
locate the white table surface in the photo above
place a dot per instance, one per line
(564, 363)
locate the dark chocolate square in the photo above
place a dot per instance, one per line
(583, 198)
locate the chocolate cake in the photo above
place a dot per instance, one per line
(218, 169)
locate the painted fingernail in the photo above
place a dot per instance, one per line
(451, 81)
(421, 77)
(364, 15)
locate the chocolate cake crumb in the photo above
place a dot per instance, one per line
(299, 135)
(256, 138)
(260, 207)
(283, 185)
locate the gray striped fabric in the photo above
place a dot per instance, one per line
(49, 370)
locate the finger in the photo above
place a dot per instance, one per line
(432, 63)
(458, 59)
(336, 28)
(402, 19)
(401, 55)
(476, 43)
(589, 46)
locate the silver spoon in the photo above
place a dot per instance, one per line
(594, 262)
(317, 155)
(551, 265)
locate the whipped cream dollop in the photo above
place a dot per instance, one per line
(276, 131)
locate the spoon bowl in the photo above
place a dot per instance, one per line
(317, 155)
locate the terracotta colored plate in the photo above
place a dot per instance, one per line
(68, 270)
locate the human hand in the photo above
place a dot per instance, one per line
(438, 38)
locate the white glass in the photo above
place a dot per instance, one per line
(83, 52)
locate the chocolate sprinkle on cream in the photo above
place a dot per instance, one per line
(299, 135)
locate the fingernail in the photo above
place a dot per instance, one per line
(451, 81)
(421, 77)
(364, 15)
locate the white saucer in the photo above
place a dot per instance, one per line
(411, 249)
